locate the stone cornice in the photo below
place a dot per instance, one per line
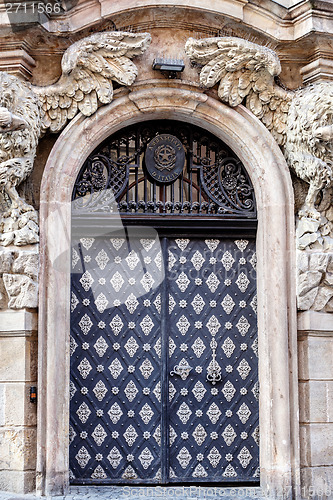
(17, 62)
(266, 16)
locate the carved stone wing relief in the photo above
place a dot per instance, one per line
(245, 70)
(26, 112)
(88, 68)
(298, 120)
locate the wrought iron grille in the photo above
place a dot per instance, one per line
(213, 182)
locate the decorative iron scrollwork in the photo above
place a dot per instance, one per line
(212, 182)
(214, 369)
(183, 369)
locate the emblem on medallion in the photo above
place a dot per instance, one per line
(165, 158)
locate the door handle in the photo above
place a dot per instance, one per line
(182, 369)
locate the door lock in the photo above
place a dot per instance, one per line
(182, 369)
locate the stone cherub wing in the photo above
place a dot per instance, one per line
(245, 70)
(88, 68)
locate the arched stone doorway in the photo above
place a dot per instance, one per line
(276, 296)
(164, 345)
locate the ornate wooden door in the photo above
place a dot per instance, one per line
(164, 381)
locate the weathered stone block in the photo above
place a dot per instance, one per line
(17, 448)
(302, 261)
(6, 259)
(17, 481)
(3, 295)
(325, 293)
(328, 279)
(304, 441)
(329, 306)
(317, 483)
(318, 261)
(313, 401)
(2, 404)
(22, 291)
(26, 263)
(306, 240)
(315, 358)
(17, 359)
(329, 396)
(330, 263)
(321, 444)
(308, 281)
(305, 226)
(13, 321)
(18, 409)
(313, 321)
(305, 301)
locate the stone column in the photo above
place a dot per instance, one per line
(18, 367)
(315, 358)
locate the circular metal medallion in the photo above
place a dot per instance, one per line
(165, 158)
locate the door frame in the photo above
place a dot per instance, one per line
(269, 173)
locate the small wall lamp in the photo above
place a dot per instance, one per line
(33, 394)
(171, 66)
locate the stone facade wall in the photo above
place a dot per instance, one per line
(315, 355)
(18, 422)
(303, 38)
(18, 367)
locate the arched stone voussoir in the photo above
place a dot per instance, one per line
(261, 156)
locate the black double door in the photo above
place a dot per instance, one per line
(164, 357)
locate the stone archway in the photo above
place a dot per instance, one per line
(279, 456)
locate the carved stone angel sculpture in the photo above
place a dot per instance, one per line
(26, 112)
(301, 121)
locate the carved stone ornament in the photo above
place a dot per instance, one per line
(26, 112)
(300, 121)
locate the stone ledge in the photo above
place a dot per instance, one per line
(17, 322)
(17, 62)
(313, 321)
(318, 70)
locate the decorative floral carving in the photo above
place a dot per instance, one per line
(198, 304)
(182, 282)
(214, 457)
(130, 435)
(147, 325)
(199, 434)
(114, 457)
(82, 457)
(213, 413)
(99, 435)
(146, 368)
(146, 458)
(229, 435)
(244, 457)
(199, 391)
(228, 304)
(146, 413)
(100, 390)
(184, 413)
(184, 457)
(198, 347)
(131, 391)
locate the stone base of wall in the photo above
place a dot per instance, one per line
(317, 483)
(18, 371)
(315, 365)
